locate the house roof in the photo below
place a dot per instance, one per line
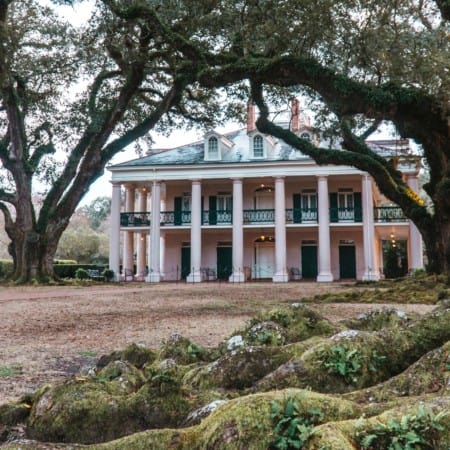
(193, 154)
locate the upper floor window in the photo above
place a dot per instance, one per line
(306, 136)
(213, 148)
(258, 147)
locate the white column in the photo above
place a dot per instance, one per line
(280, 275)
(142, 237)
(238, 275)
(154, 275)
(324, 231)
(128, 241)
(195, 275)
(415, 238)
(370, 272)
(162, 253)
(114, 237)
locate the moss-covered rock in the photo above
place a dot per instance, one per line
(378, 319)
(429, 374)
(134, 354)
(238, 369)
(183, 351)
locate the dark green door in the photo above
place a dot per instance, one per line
(224, 262)
(309, 261)
(185, 262)
(347, 261)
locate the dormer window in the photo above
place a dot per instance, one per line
(213, 148)
(306, 136)
(258, 147)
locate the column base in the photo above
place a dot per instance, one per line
(153, 278)
(324, 277)
(194, 277)
(371, 276)
(237, 277)
(280, 277)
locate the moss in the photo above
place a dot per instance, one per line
(238, 369)
(135, 354)
(380, 318)
(298, 321)
(183, 351)
(431, 373)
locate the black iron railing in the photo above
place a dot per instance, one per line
(388, 214)
(254, 216)
(300, 215)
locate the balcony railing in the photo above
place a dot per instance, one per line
(217, 217)
(140, 219)
(261, 216)
(255, 216)
(345, 215)
(301, 215)
(389, 214)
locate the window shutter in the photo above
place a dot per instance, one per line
(358, 206)
(333, 207)
(213, 210)
(297, 203)
(177, 201)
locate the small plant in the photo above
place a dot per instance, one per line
(9, 371)
(195, 351)
(88, 353)
(292, 426)
(108, 274)
(343, 361)
(411, 432)
(81, 274)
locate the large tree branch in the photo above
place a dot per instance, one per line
(389, 181)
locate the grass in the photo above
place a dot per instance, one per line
(10, 371)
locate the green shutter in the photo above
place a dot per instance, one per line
(177, 219)
(358, 206)
(213, 210)
(297, 203)
(333, 207)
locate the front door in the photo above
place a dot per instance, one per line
(309, 261)
(224, 262)
(185, 262)
(347, 261)
(265, 262)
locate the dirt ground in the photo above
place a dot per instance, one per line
(48, 333)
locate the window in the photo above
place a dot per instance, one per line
(306, 136)
(309, 199)
(346, 205)
(224, 201)
(258, 147)
(213, 148)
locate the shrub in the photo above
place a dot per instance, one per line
(108, 274)
(81, 274)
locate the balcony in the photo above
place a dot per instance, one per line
(382, 214)
(389, 214)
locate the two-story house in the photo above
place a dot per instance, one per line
(243, 206)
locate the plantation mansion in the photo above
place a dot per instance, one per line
(243, 206)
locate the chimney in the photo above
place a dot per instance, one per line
(251, 118)
(295, 115)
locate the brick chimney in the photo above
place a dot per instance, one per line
(251, 117)
(295, 115)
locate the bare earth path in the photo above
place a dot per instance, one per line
(47, 333)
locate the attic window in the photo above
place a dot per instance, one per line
(213, 148)
(306, 136)
(258, 147)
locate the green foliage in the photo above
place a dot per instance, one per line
(292, 427)
(81, 274)
(108, 274)
(410, 432)
(9, 371)
(343, 361)
(6, 267)
(69, 270)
